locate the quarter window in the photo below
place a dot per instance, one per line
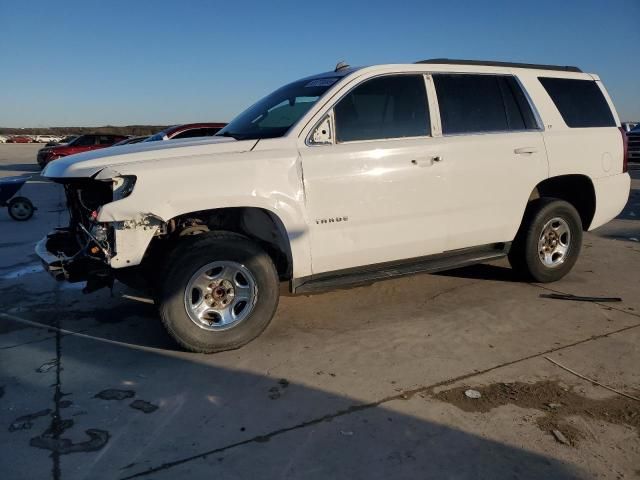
(580, 102)
(106, 140)
(385, 107)
(482, 103)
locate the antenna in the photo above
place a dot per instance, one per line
(341, 65)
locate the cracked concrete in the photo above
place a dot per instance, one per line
(356, 373)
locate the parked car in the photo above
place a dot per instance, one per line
(46, 138)
(350, 176)
(628, 126)
(61, 141)
(20, 139)
(188, 130)
(131, 140)
(83, 143)
(3, 139)
(633, 141)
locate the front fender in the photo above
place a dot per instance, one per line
(270, 180)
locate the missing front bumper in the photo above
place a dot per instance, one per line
(65, 260)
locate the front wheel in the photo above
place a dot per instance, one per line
(220, 292)
(548, 242)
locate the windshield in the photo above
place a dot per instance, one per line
(274, 115)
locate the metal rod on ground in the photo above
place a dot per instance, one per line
(593, 381)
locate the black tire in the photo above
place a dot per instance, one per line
(191, 255)
(524, 254)
(20, 208)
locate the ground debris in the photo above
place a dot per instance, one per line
(45, 367)
(114, 394)
(560, 437)
(143, 406)
(578, 298)
(551, 398)
(26, 421)
(472, 394)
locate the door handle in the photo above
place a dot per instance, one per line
(525, 150)
(426, 162)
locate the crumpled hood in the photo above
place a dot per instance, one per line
(89, 163)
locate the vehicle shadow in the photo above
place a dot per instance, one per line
(207, 419)
(20, 167)
(484, 271)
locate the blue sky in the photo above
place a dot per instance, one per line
(157, 62)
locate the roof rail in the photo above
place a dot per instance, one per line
(489, 63)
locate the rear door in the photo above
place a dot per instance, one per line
(494, 154)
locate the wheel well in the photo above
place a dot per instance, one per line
(576, 189)
(260, 225)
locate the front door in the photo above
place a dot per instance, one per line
(376, 192)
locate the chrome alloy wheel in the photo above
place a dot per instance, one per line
(554, 242)
(220, 295)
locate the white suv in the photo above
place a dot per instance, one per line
(350, 176)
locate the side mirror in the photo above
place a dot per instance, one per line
(323, 133)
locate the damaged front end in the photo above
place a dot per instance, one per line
(83, 250)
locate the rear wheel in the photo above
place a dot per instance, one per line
(20, 208)
(548, 242)
(220, 292)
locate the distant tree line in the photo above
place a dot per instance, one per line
(62, 131)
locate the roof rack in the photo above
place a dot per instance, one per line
(489, 63)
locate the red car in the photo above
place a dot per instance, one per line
(83, 143)
(188, 130)
(20, 139)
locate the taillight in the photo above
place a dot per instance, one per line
(625, 150)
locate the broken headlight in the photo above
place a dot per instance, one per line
(99, 233)
(123, 186)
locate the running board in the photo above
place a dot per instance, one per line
(373, 273)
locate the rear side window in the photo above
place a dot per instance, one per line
(481, 104)
(580, 102)
(85, 141)
(193, 133)
(384, 107)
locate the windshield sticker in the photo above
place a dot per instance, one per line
(321, 82)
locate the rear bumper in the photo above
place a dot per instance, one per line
(64, 259)
(612, 194)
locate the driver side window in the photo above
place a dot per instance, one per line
(393, 106)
